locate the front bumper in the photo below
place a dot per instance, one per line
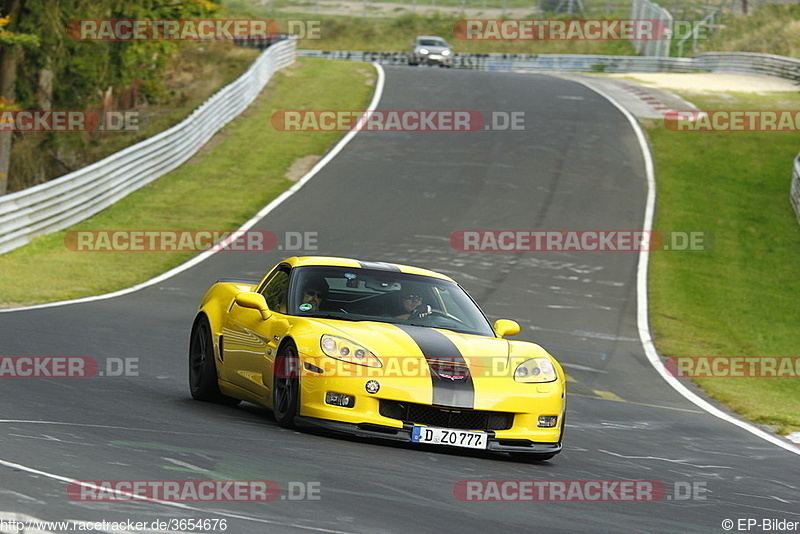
(368, 430)
(433, 59)
(507, 411)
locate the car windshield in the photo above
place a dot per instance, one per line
(359, 294)
(432, 42)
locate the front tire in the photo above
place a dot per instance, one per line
(286, 386)
(203, 381)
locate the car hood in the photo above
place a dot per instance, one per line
(387, 340)
(462, 369)
(433, 49)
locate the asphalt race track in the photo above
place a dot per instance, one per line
(399, 197)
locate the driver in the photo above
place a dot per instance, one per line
(314, 293)
(412, 306)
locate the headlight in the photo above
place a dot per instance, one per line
(347, 351)
(445, 52)
(535, 370)
(423, 50)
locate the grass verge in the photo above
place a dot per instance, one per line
(226, 186)
(740, 297)
(769, 28)
(395, 34)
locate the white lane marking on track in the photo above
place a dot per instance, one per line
(376, 97)
(111, 427)
(186, 465)
(670, 460)
(643, 323)
(15, 516)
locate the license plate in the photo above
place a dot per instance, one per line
(435, 56)
(448, 436)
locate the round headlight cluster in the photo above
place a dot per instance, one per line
(535, 370)
(348, 351)
(328, 344)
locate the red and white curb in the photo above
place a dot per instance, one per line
(648, 99)
(691, 113)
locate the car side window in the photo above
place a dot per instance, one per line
(275, 290)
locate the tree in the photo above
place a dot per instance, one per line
(60, 72)
(12, 44)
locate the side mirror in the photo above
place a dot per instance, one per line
(254, 301)
(505, 327)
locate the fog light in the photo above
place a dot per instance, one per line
(340, 399)
(547, 421)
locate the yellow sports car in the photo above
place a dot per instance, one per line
(380, 350)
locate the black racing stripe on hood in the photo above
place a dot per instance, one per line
(437, 348)
(378, 266)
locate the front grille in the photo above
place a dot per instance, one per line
(409, 412)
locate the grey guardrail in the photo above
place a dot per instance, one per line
(530, 62)
(750, 63)
(71, 198)
(795, 189)
(734, 62)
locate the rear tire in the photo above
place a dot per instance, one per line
(203, 381)
(286, 386)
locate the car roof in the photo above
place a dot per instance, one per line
(430, 37)
(331, 261)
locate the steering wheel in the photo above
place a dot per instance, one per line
(424, 311)
(420, 312)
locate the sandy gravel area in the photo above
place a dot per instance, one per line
(713, 82)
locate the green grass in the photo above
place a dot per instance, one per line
(740, 297)
(395, 34)
(592, 7)
(770, 29)
(226, 186)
